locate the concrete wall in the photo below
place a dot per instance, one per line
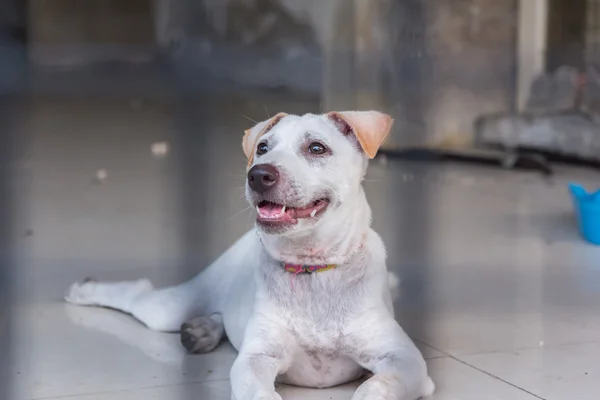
(13, 60)
(473, 46)
(435, 65)
(76, 33)
(10, 14)
(259, 42)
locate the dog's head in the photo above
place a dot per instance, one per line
(303, 168)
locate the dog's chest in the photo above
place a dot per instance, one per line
(320, 360)
(317, 308)
(318, 298)
(322, 355)
(318, 370)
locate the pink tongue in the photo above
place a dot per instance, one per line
(271, 210)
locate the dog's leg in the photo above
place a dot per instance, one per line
(167, 309)
(117, 295)
(400, 372)
(202, 334)
(161, 310)
(266, 353)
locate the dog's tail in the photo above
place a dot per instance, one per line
(394, 285)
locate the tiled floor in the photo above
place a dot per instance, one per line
(498, 289)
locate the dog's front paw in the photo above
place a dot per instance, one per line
(267, 396)
(381, 387)
(261, 396)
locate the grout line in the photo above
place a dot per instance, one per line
(512, 350)
(436, 357)
(448, 355)
(497, 377)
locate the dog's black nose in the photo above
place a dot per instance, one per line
(262, 177)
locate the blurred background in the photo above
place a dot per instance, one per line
(121, 125)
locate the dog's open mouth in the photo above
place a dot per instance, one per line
(270, 212)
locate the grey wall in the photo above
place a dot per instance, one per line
(473, 46)
(72, 33)
(269, 43)
(435, 65)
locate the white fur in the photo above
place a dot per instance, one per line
(317, 330)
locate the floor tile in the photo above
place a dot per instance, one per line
(65, 350)
(219, 390)
(473, 333)
(68, 350)
(467, 310)
(455, 381)
(554, 373)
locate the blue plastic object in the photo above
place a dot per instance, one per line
(587, 208)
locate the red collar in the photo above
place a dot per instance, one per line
(306, 269)
(309, 269)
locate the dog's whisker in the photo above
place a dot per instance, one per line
(250, 119)
(240, 192)
(239, 212)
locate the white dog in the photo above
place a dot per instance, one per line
(305, 296)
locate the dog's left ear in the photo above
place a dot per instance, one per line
(252, 135)
(371, 128)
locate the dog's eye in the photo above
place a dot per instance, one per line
(316, 148)
(262, 148)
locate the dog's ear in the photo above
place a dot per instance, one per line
(371, 128)
(252, 135)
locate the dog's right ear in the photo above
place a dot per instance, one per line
(252, 135)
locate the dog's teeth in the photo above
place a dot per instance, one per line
(313, 213)
(283, 210)
(257, 209)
